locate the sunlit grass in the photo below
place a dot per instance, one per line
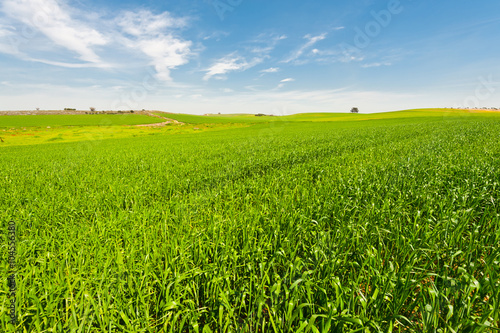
(41, 135)
(329, 117)
(294, 226)
(75, 120)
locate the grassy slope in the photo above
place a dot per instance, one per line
(83, 127)
(134, 119)
(75, 120)
(339, 225)
(41, 135)
(222, 119)
(322, 117)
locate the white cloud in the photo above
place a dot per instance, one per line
(145, 23)
(6, 45)
(282, 82)
(230, 63)
(68, 65)
(166, 53)
(376, 64)
(257, 49)
(269, 38)
(218, 35)
(332, 56)
(262, 50)
(300, 51)
(55, 22)
(266, 43)
(5, 30)
(153, 36)
(270, 70)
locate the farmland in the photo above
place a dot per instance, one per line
(42, 129)
(74, 120)
(306, 223)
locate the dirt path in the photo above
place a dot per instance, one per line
(168, 121)
(155, 124)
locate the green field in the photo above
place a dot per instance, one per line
(306, 223)
(328, 117)
(75, 120)
(42, 129)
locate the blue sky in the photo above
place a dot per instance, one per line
(251, 56)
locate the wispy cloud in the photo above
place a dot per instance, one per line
(335, 55)
(376, 64)
(167, 53)
(217, 36)
(67, 64)
(55, 22)
(264, 44)
(254, 51)
(6, 45)
(270, 70)
(153, 35)
(282, 82)
(230, 63)
(5, 30)
(145, 23)
(311, 40)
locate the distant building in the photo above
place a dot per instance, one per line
(354, 110)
